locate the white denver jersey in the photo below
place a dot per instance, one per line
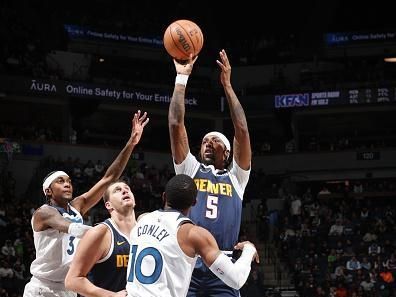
(54, 249)
(157, 265)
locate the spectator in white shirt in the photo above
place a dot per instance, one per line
(337, 229)
(8, 249)
(5, 270)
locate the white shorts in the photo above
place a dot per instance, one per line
(36, 288)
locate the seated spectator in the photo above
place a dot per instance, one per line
(349, 250)
(99, 168)
(8, 249)
(341, 291)
(315, 221)
(339, 248)
(320, 291)
(337, 229)
(6, 271)
(89, 170)
(364, 213)
(348, 228)
(358, 188)
(367, 285)
(387, 276)
(307, 196)
(390, 263)
(305, 230)
(374, 249)
(369, 237)
(366, 264)
(332, 257)
(324, 191)
(339, 272)
(353, 264)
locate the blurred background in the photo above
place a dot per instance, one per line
(317, 82)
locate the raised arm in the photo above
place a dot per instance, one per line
(92, 247)
(241, 145)
(177, 110)
(201, 242)
(84, 202)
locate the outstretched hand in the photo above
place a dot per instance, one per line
(185, 68)
(225, 66)
(138, 124)
(241, 245)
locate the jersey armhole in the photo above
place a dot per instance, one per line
(111, 244)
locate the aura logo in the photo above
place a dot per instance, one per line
(42, 87)
(291, 100)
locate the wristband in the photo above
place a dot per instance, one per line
(181, 79)
(78, 229)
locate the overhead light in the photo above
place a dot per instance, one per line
(390, 60)
(101, 60)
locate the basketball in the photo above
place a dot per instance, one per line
(182, 38)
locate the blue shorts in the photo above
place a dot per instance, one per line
(205, 284)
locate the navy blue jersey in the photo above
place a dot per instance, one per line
(110, 272)
(219, 199)
(218, 208)
(70, 214)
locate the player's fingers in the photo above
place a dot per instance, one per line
(145, 122)
(224, 57)
(220, 64)
(134, 119)
(143, 117)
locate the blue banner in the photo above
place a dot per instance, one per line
(85, 33)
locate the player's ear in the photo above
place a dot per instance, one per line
(163, 197)
(194, 202)
(48, 191)
(226, 155)
(108, 205)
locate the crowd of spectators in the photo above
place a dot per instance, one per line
(341, 246)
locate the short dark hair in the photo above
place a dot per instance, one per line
(180, 192)
(106, 194)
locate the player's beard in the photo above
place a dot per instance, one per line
(209, 160)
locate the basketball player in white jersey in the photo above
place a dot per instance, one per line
(58, 224)
(165, 245)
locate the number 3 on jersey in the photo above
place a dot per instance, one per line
(69, 244)
(211, 206)
(154, 261)
(70, 250)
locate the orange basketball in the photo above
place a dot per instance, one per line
(182, 38)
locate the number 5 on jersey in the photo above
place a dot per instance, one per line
(211, 207)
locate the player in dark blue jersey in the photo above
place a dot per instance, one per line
(220, 177)
(101, 260)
